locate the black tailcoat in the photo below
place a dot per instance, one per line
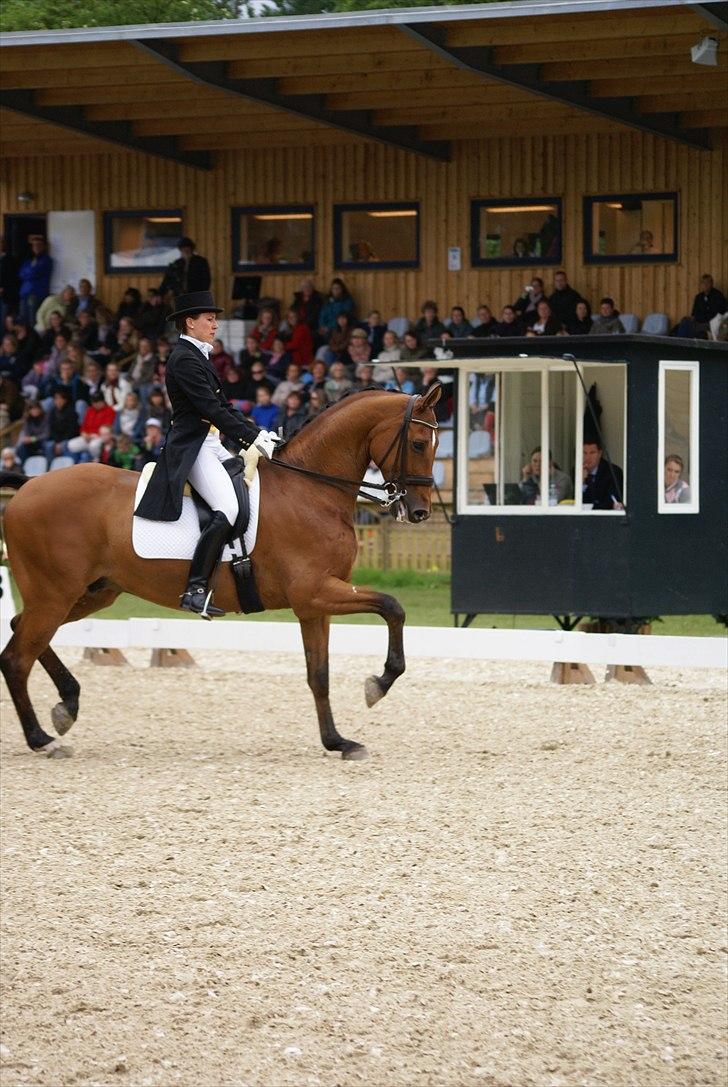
(197, 401)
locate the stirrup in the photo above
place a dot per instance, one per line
(199, 601)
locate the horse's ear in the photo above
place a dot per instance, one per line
(430, 398)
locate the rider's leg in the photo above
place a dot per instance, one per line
(212, 482)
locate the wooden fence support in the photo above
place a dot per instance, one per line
(571, 672)
(627, 673)
(171, 658)
(112, 658)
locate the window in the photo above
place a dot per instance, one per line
(141, 241)
(637, 228)
(516, 231)
(268, 238)
(511, 411)
(677, 456)
(377, 235)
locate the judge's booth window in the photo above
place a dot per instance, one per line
(513, 232)
(141, 241)
(528, 442)
(377, 235)
(628, 229)
(677, 457)
(267, 238)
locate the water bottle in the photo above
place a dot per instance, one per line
(553, 495)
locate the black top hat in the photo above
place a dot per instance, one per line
(186, 305)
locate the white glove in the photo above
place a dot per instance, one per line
(250, 456)
(266, 443)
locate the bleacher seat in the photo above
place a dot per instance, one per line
(631, 322)
(35, 466)
(445, 446)
(399, 325)
(655, 324)
(61, 462)
(479, 444)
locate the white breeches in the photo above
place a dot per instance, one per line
(210, 479)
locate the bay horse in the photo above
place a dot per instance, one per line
(69, 540)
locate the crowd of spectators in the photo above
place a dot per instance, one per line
(89, 380)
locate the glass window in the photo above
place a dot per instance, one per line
(530, 423)
(141, 241)
(377, 235)
(266, 238)
(516, 231)
(677, 468)
(630, 228)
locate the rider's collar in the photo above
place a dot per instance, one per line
(205, 348)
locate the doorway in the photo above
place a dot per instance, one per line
(16, 230)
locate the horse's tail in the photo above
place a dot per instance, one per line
(13, 480)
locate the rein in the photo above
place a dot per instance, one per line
(394, 489)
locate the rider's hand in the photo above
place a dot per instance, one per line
(266, 443)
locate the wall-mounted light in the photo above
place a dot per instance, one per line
(26, 197)
(705, 52)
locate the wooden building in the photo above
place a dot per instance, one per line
(439, 115)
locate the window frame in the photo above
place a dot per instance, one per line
(693, 368)
(375, 265)
(478, 261)
(545, 366)
(135, 213)
(243, 268)
(590, 257)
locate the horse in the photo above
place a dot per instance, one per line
(69, 540)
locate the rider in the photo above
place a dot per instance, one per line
(193, 450)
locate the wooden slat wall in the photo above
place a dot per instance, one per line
(570, 166)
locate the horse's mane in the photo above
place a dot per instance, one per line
(331, 410)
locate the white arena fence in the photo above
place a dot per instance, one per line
(371, 640)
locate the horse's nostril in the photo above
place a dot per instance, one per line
(419, 515)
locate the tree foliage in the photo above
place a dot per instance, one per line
(316, 7)
(64, 14)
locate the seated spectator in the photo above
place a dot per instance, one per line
(68, 379)
(607, 322)
(532, 295)
(560, 486)
(33, 433)
(316, 403)
(299, 341)
(338, 301)
(338, 341)
(278, 361)
(108, 445)
(443, 407)
(564, 299)
(292, 383)
(318, 376)
(521, 249)
(130, 306)
(307, 303)
(92, 376)
(114, 387)
(485, 323)
(708, 303)
(9, 358)
(646, 243)
(429, 326)
(264, 412)
(63, 303)
(55, 328)
(598, 481)
(374, 329)
(337, 383)
(128, 417)
(411, 349)
(125, 454)
(157, 408)
(365, 377)
(250, 353)
(86, 333)
(151, 445)
(292, 414)
(152, 317)
(62, 425)
(235, 388)
(87, 445)
(545, 324)
(460, 328)
(220, 358)
(58, 352)
(510, 324)
(9, 462)
(86, 300)
(34, 384)
(359, 351)
(141, 372)
(401, 382)
(677, 489)
(390, 353)
(127, 344)
(160, 372)
(28, 343)
(266, 328)
(581, 323)
(257, 378)
(106, 333)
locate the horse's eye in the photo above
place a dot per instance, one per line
(419, 447)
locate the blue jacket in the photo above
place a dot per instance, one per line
(331, 310)
(265, 415)
(35, 276)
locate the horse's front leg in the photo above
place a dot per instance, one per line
(338, 597)
(315, 634)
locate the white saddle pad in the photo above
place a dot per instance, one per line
(177, 539)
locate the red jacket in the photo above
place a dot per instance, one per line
(265, 337)
(94, 419)
(300, 345)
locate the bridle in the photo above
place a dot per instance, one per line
(394, 489)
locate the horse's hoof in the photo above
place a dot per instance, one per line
(372, 691)
(358, 753)
(54, 750)
(61, 718)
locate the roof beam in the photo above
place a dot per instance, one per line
(576, 94)
(310, 106)
(118, 132)
(715, 14)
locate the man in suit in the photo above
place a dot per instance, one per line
(603, 483)
(188, 274)
(193, 450)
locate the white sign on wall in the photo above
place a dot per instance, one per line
(454, 258)
(72, 243)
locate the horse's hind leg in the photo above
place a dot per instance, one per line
(65, 712)
(316, 644)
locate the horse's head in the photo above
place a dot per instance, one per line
(406, 456)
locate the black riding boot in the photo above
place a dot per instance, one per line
(196, 596)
